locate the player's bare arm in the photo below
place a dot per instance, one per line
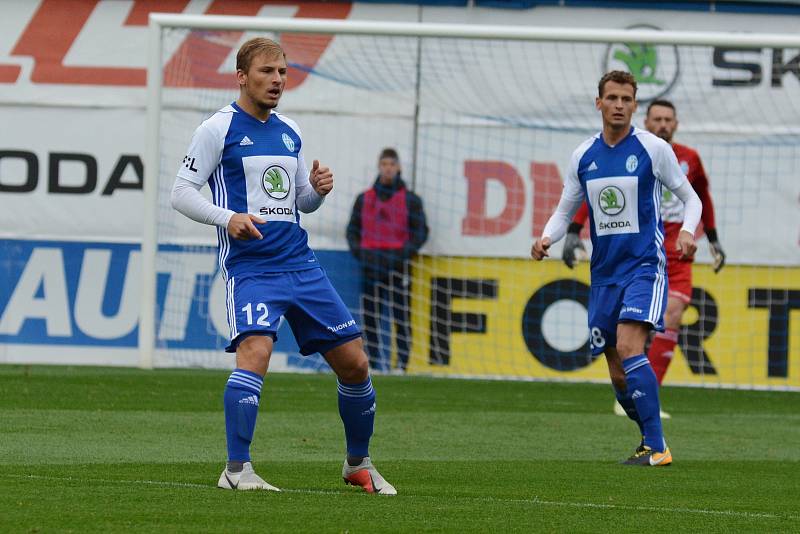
(321, 179)
(241, 226)
(685, 244)
(539, 248)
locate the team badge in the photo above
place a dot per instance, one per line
(288, 142)
(685, 167)
(275, 182)
(631, 163)
(611, 200)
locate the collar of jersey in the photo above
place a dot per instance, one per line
(630, 133)
(235, 106)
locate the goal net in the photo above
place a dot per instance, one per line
(484, 120)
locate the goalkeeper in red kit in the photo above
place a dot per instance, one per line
(662, 121)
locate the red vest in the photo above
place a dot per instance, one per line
(384, 224)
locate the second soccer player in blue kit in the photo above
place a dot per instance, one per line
(620, 172)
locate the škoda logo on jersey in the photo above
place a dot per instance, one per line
(275, 182)
(611, 200)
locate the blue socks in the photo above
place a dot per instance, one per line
(628, 405)
(643, 391)
(242, 395)
(357, 410)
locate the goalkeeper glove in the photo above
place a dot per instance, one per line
(571, 244)
(716, 250)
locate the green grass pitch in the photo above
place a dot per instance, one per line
(98, 449)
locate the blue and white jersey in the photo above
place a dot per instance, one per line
(622, 185)
(258, 168)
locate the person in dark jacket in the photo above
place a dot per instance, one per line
(387, 227)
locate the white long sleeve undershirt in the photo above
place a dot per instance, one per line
(187, 199)
(307, 199)
(692, 205)
(558, 223)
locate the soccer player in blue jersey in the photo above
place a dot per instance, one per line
(253, 160)
(620, 172)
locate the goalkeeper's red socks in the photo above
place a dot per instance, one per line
(661, 350)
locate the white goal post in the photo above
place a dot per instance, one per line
(529, 115)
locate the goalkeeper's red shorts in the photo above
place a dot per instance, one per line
(679, 274)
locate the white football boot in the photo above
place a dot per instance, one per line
(366, 476)
(246, 479)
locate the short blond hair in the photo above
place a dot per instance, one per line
(255, 47)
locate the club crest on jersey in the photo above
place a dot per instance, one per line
(288, 142)
(685, 167)
(275, 182)
(631, 163)
(611, 200)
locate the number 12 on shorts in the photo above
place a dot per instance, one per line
(262, 319)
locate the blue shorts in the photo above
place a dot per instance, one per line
(643, 298)
(306, 299)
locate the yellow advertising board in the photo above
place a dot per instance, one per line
(519, 318)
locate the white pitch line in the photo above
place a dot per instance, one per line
(731, 513)
(163, 483)
(534, 501)
(108, 481)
